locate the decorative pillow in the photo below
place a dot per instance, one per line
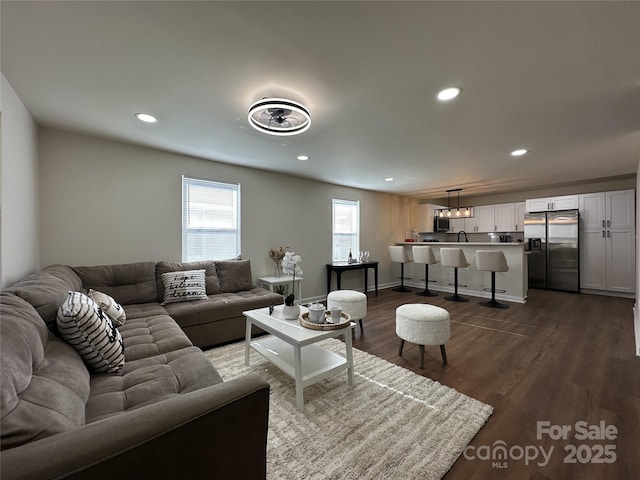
(91, 332)
(234, 276)
(211, 283)
(183, 286)
(109, 306)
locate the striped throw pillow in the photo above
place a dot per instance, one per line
(91, 332)
(109, 306)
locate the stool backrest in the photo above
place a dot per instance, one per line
(491, 260)
(398, 254)
(423, 254)
(453, 257)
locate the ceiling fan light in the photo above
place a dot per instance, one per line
(279, 116)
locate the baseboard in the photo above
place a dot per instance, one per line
(636, 325)
(607, 293)
(462, 291)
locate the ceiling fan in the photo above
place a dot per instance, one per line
(279, 116)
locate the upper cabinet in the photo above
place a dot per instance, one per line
(505, 216)
(423, 216)
(565, 202)
(608, 210)
(521, 209)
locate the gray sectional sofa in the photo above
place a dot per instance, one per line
(165, 414)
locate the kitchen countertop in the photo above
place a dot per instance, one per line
(513, 283)
(495, 244)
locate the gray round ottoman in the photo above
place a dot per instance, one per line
(423, 325)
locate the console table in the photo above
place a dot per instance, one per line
(340, 267)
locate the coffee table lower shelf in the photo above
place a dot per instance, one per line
(316, 363)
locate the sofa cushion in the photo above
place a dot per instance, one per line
(210, 274)
(44, 383)
(127, 282)
(183, 286)
(234, 275)
(150, 380)
(222, 306)
(109, 306)
(47, 290)
(154, 334)
(91, 332)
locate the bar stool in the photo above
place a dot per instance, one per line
(492, 261)
(399, 255)
(424, 254)
(454, 257)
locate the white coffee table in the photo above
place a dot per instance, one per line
(291, 347)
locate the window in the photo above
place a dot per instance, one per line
(346, 229)
(210, 220)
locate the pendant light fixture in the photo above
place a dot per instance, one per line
(459, 212)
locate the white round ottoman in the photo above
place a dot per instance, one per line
(352, 302)
(423, 325)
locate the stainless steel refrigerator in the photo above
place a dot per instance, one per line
(552, 249)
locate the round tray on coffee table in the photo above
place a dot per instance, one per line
(345, 320)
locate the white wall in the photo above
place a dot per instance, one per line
(108, 202)
(636, 312)
(19, 179)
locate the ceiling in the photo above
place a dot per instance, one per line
(561, 79)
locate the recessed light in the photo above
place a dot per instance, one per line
(146, 118)
(449, 93)
(519, 152)
(302, 158)
(388, 179)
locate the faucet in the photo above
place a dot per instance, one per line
(465, 236)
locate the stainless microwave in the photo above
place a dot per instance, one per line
(441, 224)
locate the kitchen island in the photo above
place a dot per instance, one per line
(471, 281)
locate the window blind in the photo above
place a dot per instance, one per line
(210, 220)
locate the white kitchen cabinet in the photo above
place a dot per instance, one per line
(521, 209)
(607, 248)
(458, 224)
(604, 210)
(505, 217)
(620, 209)
(484, 220)
(607, 260)
(565, 202)
(423, 217)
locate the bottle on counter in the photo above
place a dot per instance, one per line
(350, 257)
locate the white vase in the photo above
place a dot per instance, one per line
(290, 312)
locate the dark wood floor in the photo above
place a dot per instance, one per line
(561, 358)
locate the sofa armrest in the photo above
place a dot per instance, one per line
(215, 432)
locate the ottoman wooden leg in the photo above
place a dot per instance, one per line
(421, 350)
(444, 355)
(401, 345)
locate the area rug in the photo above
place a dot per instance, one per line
(391, 424)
